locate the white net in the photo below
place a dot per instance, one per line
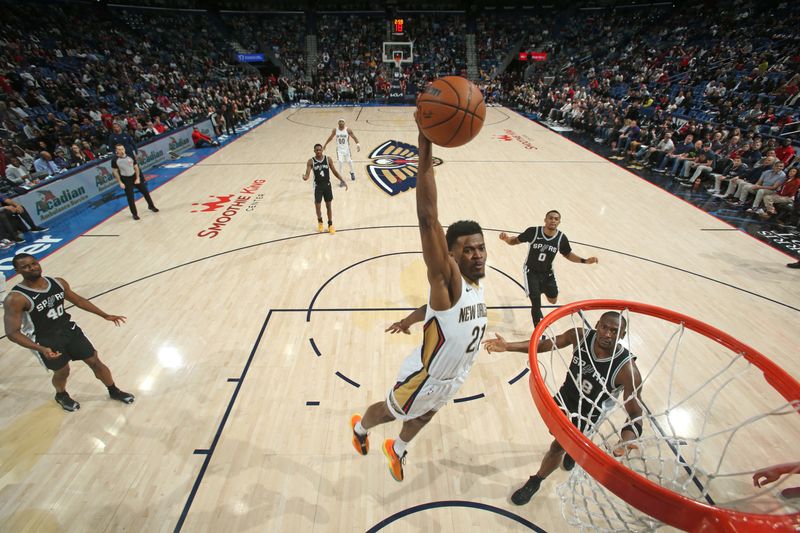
(710, 421)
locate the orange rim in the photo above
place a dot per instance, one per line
(650, 498)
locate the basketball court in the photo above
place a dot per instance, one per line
(251, 338)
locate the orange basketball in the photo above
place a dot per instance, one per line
(451, 111)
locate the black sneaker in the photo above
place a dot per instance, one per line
(122, 396)
(568, 463)
(524, 494)
(153, 209)
(135, 217)
(794, 265)
(38, 229)
(66, 402)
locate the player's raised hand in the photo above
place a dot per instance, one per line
(498, 344)
(398, 327)
(503, 236)
(117, 320)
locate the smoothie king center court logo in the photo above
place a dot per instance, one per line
(394, 166)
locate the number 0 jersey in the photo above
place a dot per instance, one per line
(543, 249)
(47, 314)
(451, 339)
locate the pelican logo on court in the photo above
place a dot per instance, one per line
(214, 205)
(394, 166)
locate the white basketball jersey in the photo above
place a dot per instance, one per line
(452, 339)
(342, 141)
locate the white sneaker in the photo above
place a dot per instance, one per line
(719, 195)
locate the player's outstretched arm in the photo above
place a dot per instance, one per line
(509, 239)
(773, 473)
(499, 344)
(14, 306)
(443, 274)
(631, 382)
(330, 137)
(417, 315)
(578, 259)
(308, 170)
(86, 305)
(336, 172)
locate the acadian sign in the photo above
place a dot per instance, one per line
(62, 195)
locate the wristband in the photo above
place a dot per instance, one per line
(636, 427)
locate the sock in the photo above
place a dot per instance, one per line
(330, 223)
(399, 446)
(112, 388)
(319, 220)
(359, 429)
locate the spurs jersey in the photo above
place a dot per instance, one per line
(342, 141)
(543, 249)
(590, 381)
(322, 171)
(451, 339)
(46, 314)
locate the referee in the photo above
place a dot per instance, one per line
(127, 173)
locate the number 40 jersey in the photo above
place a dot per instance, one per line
(46, 314)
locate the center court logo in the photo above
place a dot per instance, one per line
(226, 206)
(394, 166)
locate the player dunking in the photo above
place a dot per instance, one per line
(322, 167)
(455, 320)
(49, 331)
(545, 241)
(343, 134)
(597, 361)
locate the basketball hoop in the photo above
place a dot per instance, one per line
(397, 58)
(672, 473)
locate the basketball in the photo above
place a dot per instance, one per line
(451, 111)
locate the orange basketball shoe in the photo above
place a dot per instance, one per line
(395, 462)
(361, 444)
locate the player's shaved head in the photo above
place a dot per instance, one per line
(614, 315)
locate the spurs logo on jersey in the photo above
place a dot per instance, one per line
(543, 249)
(46, 307)
(590, 378)
(394, 166)
(321, 170)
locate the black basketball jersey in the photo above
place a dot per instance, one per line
(47, 313)
(591, 378)
(322, 171)
(543, 249)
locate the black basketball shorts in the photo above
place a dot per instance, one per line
(322, 191)
(71, 342)
(542, 282)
